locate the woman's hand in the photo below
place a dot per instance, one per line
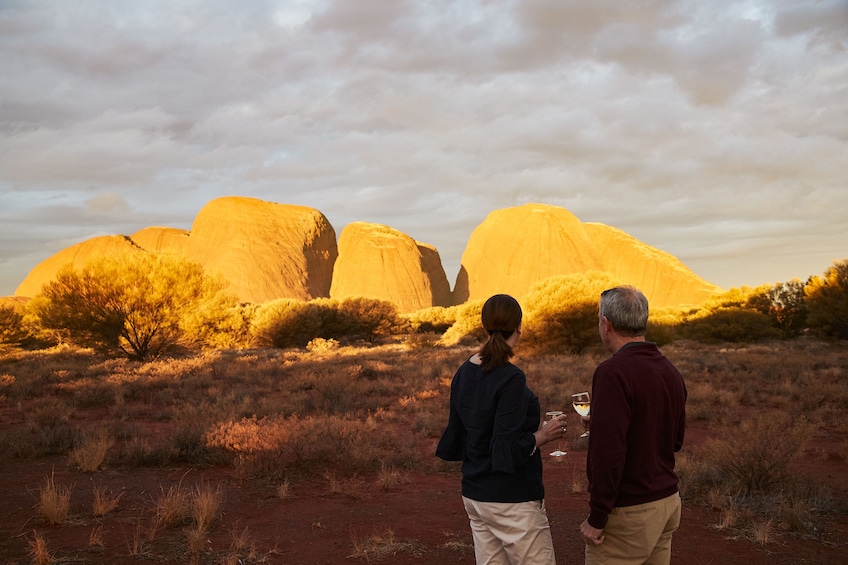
(551, 430)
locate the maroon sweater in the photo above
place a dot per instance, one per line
(638, 420)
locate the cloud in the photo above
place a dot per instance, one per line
(712, 130)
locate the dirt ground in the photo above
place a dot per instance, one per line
(418, 520)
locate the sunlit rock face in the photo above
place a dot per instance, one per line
(267, 251)
(376, 261)
(162, 240)
(263, 249)
(664, 279)
(516, 247)
(76, 255)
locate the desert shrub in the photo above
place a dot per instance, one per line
(321, 345)
(137, 305)
(219, 323)
(436, 319)
(827, 302)
(467, 328)
(272, 448)
(745, 474)
(287, 322)
(756, 456)
(731, 324)
(785, 305)
(368, 318)
(561, 312)
(12, 329)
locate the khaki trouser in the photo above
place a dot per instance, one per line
(510, 533)
(638, 535)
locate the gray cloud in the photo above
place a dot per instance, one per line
(714, 131)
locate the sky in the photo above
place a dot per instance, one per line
(715, 131)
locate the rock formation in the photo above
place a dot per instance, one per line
(76, 255)
(265, 250)
(515, 247)
(162, 240)
(268, 251)
(376, 261)
(664, 279)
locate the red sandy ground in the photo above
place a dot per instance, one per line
(317, 527)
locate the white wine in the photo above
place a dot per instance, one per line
(582, 408)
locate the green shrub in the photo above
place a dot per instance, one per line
(138, 304)
(561, 313)
(467, 328)
(755, 457)
(827, 302)
(12, 329)
(287, 322)
(432, 320)
(733, 324)
(368, 318)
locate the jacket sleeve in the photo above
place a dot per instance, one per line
(608, 446)
(451, 446)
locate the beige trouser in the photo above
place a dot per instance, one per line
(638, 535)
(510, 533)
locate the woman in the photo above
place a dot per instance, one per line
(493, 428)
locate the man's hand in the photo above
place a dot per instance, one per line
(591, 536)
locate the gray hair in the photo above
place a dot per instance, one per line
(627, 310)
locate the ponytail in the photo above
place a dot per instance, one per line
(501, 316)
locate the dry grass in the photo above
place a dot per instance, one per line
(39, 553)
(284, 490)
(205, 504)
(381, 546)
(280, 417)
(89, 455)
(54, 501)
(104, 501)
(172, 505)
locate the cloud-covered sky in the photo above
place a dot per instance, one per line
(716, 131)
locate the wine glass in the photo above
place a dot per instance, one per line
(581, 404)
(551, 415)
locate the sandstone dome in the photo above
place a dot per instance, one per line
(76, 255)
(516, 247)
(162, 240)
(263, 249)
(664, 279)
(376, 261)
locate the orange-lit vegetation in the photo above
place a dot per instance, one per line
(360, 396)
(359, 418)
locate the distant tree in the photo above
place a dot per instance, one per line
(140, 305)
(12, 328)
(790, 302)
(561, 312)
(827, 301)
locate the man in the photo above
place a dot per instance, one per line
(637, 424)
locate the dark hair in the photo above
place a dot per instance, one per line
(627, 310)
(501, 316)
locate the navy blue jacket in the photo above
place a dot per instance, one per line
(490, 429)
